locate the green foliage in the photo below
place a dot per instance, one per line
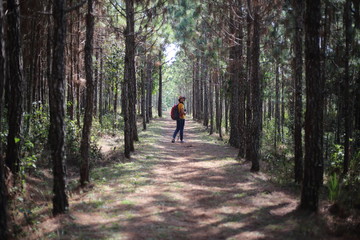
(334, 187)
(36, 139)
(336, 159)
(72, 141)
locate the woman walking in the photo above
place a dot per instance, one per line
(180, 123)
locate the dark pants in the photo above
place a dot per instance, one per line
(180, 124)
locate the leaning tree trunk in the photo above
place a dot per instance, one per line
(256, 94)
(298, 65)
(15, 79)
(86, 132)
(3, 195)
(57, 110)
(313, 167)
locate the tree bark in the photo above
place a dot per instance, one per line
(57, 110)
(346, 85)
(205, 76)
(160, 85)
(101, 85)
(86, 132)
(3, 195)
(211, 108)
(149, 84)
(298, 70)
(15, 79)
(129, 78)
(313, 167)
(256, 94)
(143, 98)
(234, 56)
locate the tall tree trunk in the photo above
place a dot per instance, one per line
(313, 167)
(77, 66)
(242, 85)
(256, 93)
(248, 112)
(160, 85)
(217, 103)
(70, 97)
(3, 195)
(205, 76)
(143, 98)
(149, 84)
(221, 100)
(96, 81)
(15, 78)
(57, 110)
(277, 103)
(234, 55)
(298, 70)
(101, 85)
(49, 47)
(86, 132)
(211, 108)
(346, 84)
(129, 77)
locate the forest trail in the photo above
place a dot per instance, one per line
(195, 190)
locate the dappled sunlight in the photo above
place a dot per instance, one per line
(180, 191)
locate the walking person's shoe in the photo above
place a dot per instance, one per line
(182, 141)
(173, 140)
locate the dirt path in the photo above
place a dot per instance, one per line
(194, 190)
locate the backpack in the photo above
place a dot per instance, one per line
(175, 112)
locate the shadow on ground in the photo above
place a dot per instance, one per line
(195, 190)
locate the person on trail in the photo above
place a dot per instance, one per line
(180, 123)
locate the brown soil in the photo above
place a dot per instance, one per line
(194, 190)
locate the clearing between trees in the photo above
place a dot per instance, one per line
(194, 190)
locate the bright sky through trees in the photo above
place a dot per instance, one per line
(170, 52)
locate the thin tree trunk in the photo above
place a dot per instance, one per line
(160, 86)
(211, 100)
(96, 83)
(15, 79)
(277, 104)
(248, 112)
(234, 55)
(143, 98)
(241, 80)
(221, 100)
(101, 107)
(346, 84)
(70, 97)
(57, 110)
(313, 167)
(148, 89)
(88, 116)
(3, 195)
(77, 65)
(206, 94)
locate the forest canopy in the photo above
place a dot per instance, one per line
(279, 80)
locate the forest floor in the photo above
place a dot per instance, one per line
(193, 190)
